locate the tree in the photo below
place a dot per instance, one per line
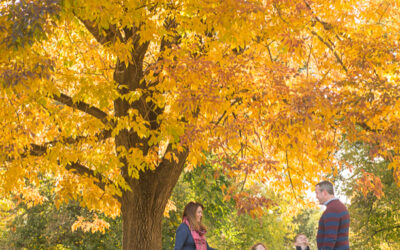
(306, 223)
(113, 98)
(374, 200)
(45, 226)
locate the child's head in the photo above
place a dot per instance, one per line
(301, 240)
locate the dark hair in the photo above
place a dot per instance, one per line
(326, 185)
(254, 247)
(190, 213)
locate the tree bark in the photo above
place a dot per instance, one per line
(142, 209)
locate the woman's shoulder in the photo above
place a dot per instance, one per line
(183, 226)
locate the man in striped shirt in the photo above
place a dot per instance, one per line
(333, 228)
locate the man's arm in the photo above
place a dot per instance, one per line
(328, 230)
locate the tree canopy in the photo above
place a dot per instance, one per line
(114, 98)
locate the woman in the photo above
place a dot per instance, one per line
(190, 235)
(259, 246)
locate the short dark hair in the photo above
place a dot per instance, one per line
(326, 185)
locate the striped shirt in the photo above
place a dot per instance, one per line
(333, 229)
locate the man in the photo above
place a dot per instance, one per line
(333, 229)
(301, 242)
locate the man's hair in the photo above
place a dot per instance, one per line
(326, 185)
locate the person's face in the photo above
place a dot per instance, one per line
(259, 247)
(199, 214)
(320, 194)
(301, 240)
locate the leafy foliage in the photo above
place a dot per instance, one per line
(227, 228)
(46, 227)
(374, 206)
(114, 98)
(306, 222)
(29, 20)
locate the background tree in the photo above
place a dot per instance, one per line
(374, 200)
(113, 98)
(46, 226)
(229, 227)
(306, 222)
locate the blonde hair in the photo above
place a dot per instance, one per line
(190, 213)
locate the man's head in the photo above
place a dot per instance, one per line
(324, 191)
(301, 240)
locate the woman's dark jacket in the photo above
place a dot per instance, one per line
(184, 239)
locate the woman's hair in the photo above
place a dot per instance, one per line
(190, 213)
(254, 247)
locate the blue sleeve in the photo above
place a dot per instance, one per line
(181, 237)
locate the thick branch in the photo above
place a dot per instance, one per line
(103, 36)
(82, 106)
(39, 150)
(80, 169)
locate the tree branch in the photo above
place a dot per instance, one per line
(110, 34)
(383, 13)
(367, 128)
(82, 106)
(384, 229)
(82, 170)
(280, 14)
(39, 150)
(170, 25)
(269, 52)
(290, 178)
(331, 49)
(327, 26)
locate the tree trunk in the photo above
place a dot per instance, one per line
(142, 209)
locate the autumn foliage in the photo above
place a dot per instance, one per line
(113, 98)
